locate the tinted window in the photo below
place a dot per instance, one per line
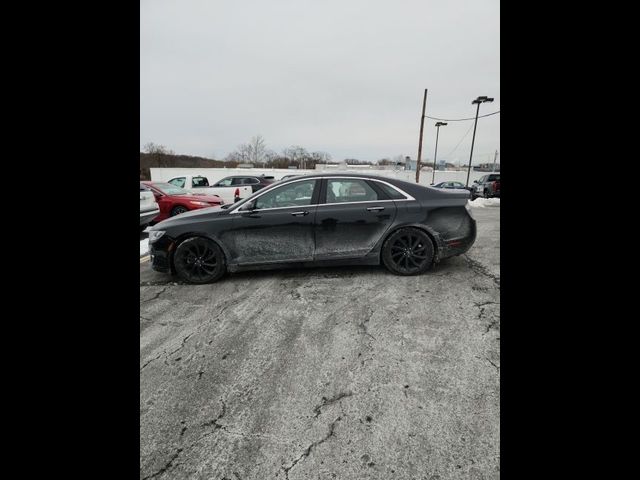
(199, 182)
(178, 182)
(494, 177)
(293, 195)
(340, 191)
(390, 191)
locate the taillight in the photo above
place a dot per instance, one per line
(237, 193)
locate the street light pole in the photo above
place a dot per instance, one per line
(435, 155)
(477, 101)
(424, 104)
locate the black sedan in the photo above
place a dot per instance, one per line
(322, 219)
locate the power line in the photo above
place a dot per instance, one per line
(461, 119)
(454, 148)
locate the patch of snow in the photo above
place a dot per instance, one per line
(485, 202)
(144, 247)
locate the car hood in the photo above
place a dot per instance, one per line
(198, 197)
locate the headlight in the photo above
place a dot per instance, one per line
(154, 235)
(196, 202)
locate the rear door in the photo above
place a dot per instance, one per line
(353, 215)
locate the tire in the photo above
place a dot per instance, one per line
(408, 251)
(199, 260)
(177, 210)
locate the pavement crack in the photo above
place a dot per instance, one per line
(491, 325)
(484, 304)
(166, 466)
(328, 401)
(156, 296)
(184, 340)
(362, 326)
(149, 361)
(215, 421)
(307, 451)
(480, 269)
(496, 366)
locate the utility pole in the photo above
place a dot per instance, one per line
(424, 104)
(494, 161)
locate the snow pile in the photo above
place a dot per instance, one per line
(144, 247)
(485, 202)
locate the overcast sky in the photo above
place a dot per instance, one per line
(341, 76)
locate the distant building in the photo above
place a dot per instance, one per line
(410, 165)
(486, 167)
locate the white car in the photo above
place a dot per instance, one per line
(149, 208)
(198, 184)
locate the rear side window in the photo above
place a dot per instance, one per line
(178, 182)
(494, 177)
(200, 182)
(226, 182)
(343, 191)
(391, 192)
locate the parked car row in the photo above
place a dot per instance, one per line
(161, 200)
(487, 186)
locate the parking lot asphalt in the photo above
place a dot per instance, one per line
(328, 373)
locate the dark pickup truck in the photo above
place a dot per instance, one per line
(487, 186)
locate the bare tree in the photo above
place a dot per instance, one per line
(257, 149)
(296, 155)
(153, 148)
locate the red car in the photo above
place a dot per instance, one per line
(175, 200)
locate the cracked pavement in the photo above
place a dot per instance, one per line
(327, 373)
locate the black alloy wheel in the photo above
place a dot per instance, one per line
(199, 260)
(408, 251)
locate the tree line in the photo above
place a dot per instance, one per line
(254, 152)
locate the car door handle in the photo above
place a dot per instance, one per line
(374, 209)
(300, 214)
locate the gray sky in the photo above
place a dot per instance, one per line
(346, 77)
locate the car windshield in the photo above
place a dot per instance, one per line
(169, 189)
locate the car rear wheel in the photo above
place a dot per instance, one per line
(408, 251)
(178, 210)
(199, 260)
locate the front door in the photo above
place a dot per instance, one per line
(279, 227)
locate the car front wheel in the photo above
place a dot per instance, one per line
(199, 260)
(408, 251)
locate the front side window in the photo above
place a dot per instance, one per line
(342, 191)
(296, 194)
(178, 182)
